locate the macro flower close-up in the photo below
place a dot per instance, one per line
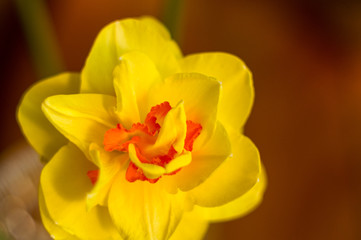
(143, 143)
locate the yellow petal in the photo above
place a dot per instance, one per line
(55, 231)
(200, 95)
(234, 177)
(156, 25)
(43, 137)
(179, 162)
(237, 86)
(65, 183)
(173, 131)
(133, 77)
(82, 118)
(238, 207)
(142, 210)
(109, 164)
(151, 171)
(191, 227)
(121, 37)
(204, 161)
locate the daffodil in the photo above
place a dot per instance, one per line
(143, 143)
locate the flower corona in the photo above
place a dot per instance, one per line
(142, 138)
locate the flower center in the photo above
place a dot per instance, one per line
(160, 146)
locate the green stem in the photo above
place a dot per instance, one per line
(172, 17)
(40, 37)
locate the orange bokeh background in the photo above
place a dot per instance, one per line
(306, 61)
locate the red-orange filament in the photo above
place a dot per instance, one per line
(93, 175)
(145, 134)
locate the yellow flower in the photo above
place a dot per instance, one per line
(143, 143)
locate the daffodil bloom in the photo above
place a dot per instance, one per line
(143, 143)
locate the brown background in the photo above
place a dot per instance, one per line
(306, 120)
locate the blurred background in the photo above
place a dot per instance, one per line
(306, 61)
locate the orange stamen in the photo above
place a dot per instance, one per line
(93, 175)
(119, 138)
(143, 135)
(164, 159)
(134, 173)
(156, 113)
(193, 131)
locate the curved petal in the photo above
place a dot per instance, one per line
(151, 171)
(42, 136)
(142, 210)
(173, 131)
(178, 162)
(133, 77)
(65, 184)
(54, 230)
(200, 95)
(234, 177)
(82, 118)
(204, 162)
(191, 227)
(121, 37)
(237, 86)
(238, 207)
(155, 24)
(109, 164)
